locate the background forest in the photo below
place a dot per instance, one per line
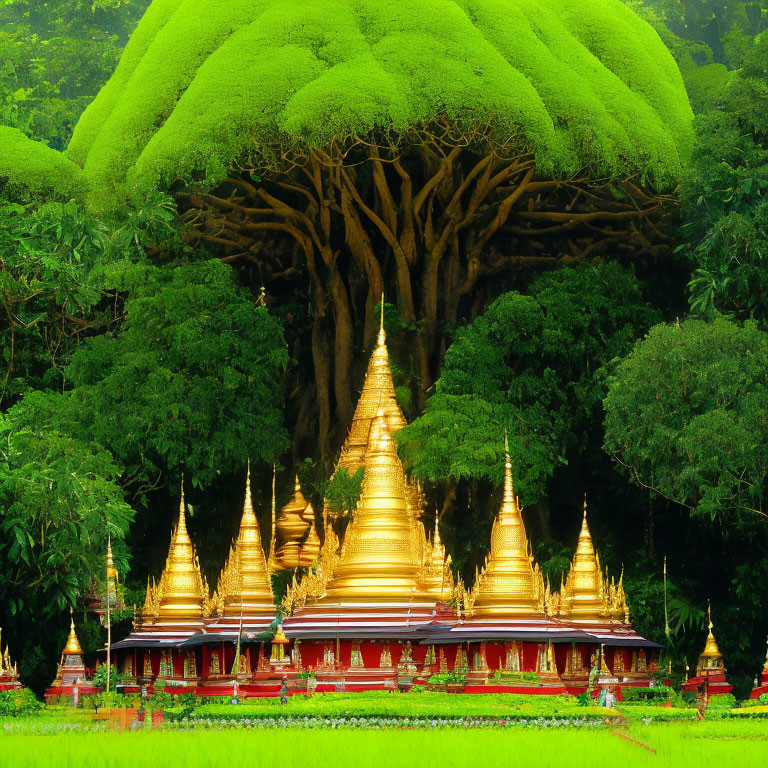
(137, 346)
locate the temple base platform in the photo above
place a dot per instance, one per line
(65, 694)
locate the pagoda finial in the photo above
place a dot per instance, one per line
(382, 335)
(711, 650)
(436, 539)
(181, 529)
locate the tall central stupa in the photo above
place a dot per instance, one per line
(363, 612)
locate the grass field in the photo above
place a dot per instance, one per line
(678, 745)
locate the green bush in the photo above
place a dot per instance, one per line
(20, 702)
(655, 713)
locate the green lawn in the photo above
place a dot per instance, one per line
(741, 744)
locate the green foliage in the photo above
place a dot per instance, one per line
(19, 703)
(656, 714)
(590, 84)
(100, 677)
(533, 365)
(32, 171)
(54, 57)
(686, 414)
(726, 197)
(190, 382)
(504, 676)
(58, 501)
(343, 491)
(54, 264)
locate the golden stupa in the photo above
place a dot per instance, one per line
(310, 548)
(378, 394)
(438, 579)
(710, 660)
(72, 648)
(293, 530)
(71, 669)
(587, 595)
(182, 593)
(380, 558)
(510, 584)
(244, 584)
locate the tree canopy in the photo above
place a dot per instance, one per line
(533, 365)
(201, 89)
(687, 414)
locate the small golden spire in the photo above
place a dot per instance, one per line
(438, 578)
(587, 594)
(244, 580)
(292, 528)
(72, 648)
(382, 338)
(711, 651)
(510, 583)
(181, 592)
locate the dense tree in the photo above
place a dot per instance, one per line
(54, 57)
(190, 382)
(726, 197)
(375, 154)
(533, 365)
(687, 414)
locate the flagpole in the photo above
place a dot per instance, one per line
(109, 621)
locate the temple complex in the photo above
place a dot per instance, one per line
(71, 676)
(9, 673)
(375, 604)
(710, 678)
(761, 685)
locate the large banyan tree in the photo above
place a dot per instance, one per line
(432, 148)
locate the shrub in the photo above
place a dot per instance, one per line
(20, 702)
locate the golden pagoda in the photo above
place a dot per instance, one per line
(510, 584)
(438, 579)
(710, 660)
(587, 595)
(244, 586)
(9, 673)
(379, 558)
(182, 594)
(378, 394)
(71, 671)
(293, 530)
(310, 549)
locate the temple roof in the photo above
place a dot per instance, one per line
(182, 592)
(244, 582)
(587, 595)
(510, 583)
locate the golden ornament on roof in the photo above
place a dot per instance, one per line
(437, 580)
(72, 648)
